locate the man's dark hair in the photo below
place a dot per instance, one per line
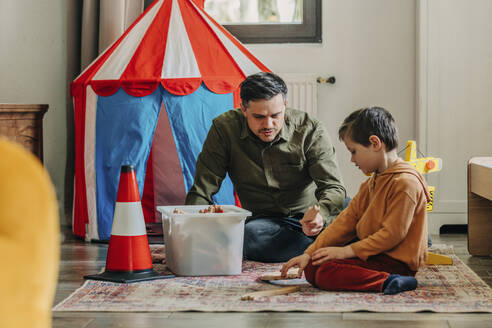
(365, 122)
(263, 85)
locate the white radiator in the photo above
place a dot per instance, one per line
(302, 92)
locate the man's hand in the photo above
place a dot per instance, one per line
(300, 262)
(332, 253)
(312, 221)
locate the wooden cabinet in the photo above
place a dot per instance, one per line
(23, 123)
(480, 206)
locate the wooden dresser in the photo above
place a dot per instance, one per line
(480, 206)
(23, 123)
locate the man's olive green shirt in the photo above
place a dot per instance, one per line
(280, 178)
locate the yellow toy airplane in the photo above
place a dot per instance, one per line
(423, 165)
(426, 165)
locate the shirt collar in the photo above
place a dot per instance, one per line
(286, 132)
(244, 127)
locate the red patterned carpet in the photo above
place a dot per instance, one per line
(454, 288)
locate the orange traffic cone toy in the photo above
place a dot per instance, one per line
(128, 259)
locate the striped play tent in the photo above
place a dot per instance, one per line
(149, 101)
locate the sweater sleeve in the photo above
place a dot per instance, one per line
(342, 230)
(394, 226)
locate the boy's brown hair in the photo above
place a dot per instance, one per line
(364, 122)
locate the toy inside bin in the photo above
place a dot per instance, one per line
(202, 244)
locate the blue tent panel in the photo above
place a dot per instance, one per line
(191, 117)
(125, 128)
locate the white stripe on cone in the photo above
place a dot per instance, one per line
(128, 219)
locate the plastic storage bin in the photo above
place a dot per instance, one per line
(202, 244)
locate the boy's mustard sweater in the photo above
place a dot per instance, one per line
(388, 215)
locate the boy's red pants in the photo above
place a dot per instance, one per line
(355, 274)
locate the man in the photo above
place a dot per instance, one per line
(281, 163)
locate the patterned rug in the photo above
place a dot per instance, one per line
(454, 288)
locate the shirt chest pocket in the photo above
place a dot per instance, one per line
(291, 176)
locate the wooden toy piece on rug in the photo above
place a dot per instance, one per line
(29, 239)
(291, 279)
(271, 292)
(276, 275)
(292, 284)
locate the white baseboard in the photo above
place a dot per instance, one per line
(436, 220)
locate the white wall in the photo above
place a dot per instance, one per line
(369, 46)
(32, 70)
(455, 65)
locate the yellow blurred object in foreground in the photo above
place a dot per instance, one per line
(29, 239)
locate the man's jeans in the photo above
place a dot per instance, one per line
(276, 239)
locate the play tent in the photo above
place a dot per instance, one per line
(149, 100)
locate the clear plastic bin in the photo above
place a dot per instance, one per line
(202, 244)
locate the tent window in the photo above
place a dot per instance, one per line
(269, 21)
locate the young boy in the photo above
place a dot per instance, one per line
(387, 216)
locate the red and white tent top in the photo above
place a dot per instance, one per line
(174, 43)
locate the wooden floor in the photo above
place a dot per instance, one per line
(79, 258)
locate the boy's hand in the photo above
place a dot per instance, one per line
(332, 253)
(312, 221)
(299, 261)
